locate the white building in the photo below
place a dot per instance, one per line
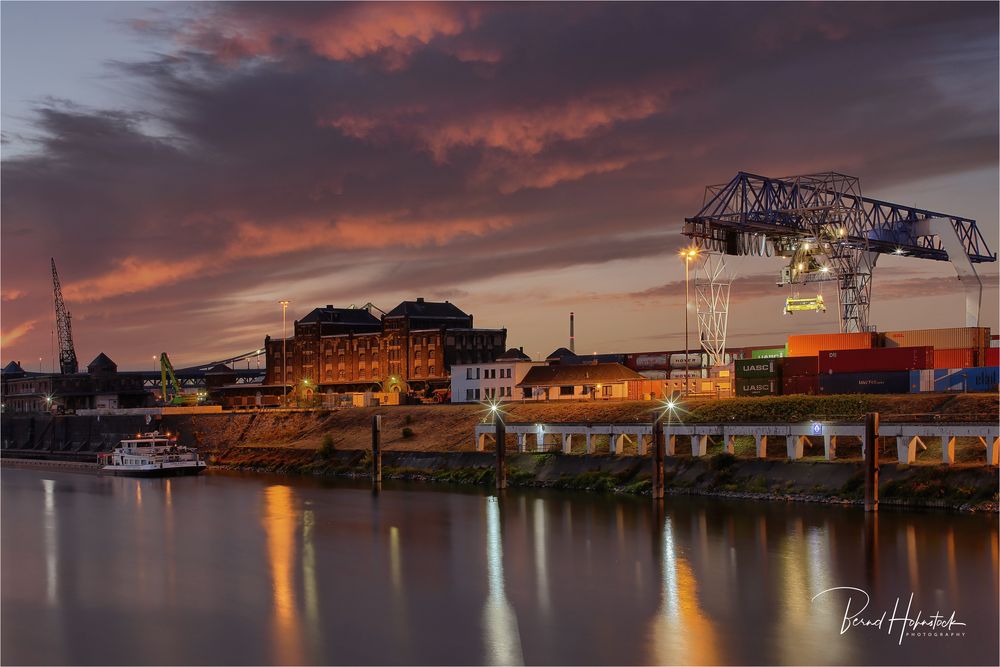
(491, 380)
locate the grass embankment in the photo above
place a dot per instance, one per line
(450, 427)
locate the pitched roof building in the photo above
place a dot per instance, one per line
(410, 348)
(577, 381)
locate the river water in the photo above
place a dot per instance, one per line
(246, 569)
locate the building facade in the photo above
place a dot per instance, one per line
(411, 348)
(596, 381)
(496, 380)
(101, 387)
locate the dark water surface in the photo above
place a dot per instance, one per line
(230, 568)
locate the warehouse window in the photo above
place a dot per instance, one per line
(468, 374)
(566, 391)
(468, 394)
(431, 371)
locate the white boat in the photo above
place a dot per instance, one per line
(151, 455)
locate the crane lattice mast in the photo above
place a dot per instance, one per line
(67, 353)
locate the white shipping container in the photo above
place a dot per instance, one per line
(690, 360)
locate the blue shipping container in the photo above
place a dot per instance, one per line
(896, 382)
(955, 379)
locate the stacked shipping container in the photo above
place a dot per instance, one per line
(758, 377)
(801, 375)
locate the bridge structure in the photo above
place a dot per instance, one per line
(825, 230)
(908, 437)
(193, 377)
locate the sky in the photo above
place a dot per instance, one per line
(190, 165)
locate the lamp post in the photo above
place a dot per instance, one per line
(688, 255)
(284, 352)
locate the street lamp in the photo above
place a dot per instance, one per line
(284, 352)
(688, 254)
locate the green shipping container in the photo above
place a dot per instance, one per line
(759, 368)
(758, 387)
(772, 353)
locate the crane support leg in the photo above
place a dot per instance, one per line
(711, 287)
(959, 258)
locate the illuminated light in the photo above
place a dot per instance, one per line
(801, 266)
(897, 251)
(825, 269)
(805, 246)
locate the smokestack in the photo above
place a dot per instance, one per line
(572, 338)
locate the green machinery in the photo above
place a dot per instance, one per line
(178, 398)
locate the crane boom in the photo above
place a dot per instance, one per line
(167, 369)
(67, 353)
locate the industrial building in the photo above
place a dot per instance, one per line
(408, 349)
(101, 387)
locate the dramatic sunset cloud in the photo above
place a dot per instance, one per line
(521, 159)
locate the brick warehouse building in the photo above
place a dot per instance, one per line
(409, 349)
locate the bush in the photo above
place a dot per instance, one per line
(408, 419)
(326, 448)
(407, 432)
(722, 461)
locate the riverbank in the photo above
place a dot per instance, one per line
(450, 427)
(958, 487)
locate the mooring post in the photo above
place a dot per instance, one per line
(871, 462)
(501, 438)
(659, 451)
(376, 453)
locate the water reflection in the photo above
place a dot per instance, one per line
(51, 532)
(279, 525)
(303, 573)
(309, 578)
(541, 556)
(681, 631)
(501, 637)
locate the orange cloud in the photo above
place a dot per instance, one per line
(253, 240)
(524, 131)
(11, 294)
(10, 336)
(354, 31)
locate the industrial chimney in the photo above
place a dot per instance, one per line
(572, 338)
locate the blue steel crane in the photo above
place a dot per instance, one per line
(826, 230)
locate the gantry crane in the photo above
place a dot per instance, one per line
(824, 229)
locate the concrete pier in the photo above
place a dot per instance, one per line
(909, 437)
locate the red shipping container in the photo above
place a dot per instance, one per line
(808, 345)
(801, 365)
(800, 384)
(993, 356)
(878, 360)
(960, 358)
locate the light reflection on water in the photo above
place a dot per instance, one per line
(255, 569)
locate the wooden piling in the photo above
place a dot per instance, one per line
(659, 451)
(501, 438)
(376, 453)
(871, 462)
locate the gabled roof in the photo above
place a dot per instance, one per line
(219, 369)
(102, 362)
(556, 376)
(513, 354)
(430, 309)
(12, 368)
(560, 353)
(342, 315)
